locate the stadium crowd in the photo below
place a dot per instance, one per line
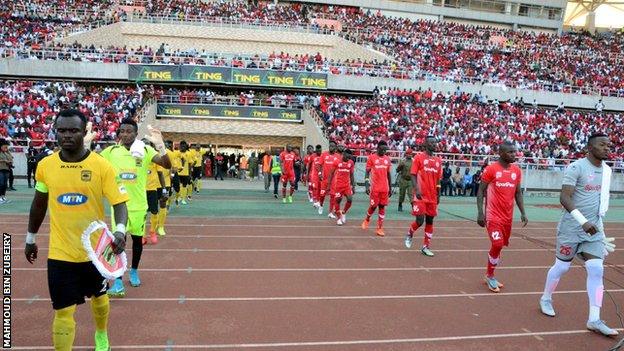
(27, 108)
(573, 62)
(465, 124)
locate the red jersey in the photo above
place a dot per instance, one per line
(315, 166)
(428, 170)
(342, 174)
(307, 161)
(287, 160)
(501, 191)
(327, 162)
(379, 168)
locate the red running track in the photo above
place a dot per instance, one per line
(308, 285)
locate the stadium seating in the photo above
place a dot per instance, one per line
(573, 63)
(27, 108)
(464, 123)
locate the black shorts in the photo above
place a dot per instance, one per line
(175, 183)
(152, 201)
(185, 180)
(197, 174)
(70, 282)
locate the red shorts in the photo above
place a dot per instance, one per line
(287, 177)
(379, 198)
(499, 232)
(343, 191)
(424, 208)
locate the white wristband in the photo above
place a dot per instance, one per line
(120, 228)
(30, 238)
(579, 217)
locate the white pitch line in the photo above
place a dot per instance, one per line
(367, 237)
(329, 343)
(397, 250)
(373, 269)
(299, 226)
(331, 298)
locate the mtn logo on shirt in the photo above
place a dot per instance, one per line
(72, 199)
(127, 176)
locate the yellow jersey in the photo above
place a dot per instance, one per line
(185, 159)
(75, 199)
(153, 182)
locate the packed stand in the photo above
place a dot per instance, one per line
(28, 108)
(459, 52)
(422, 49)
(464, 123)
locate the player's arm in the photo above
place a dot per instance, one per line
(121, 216)
(389, 183)
(568, 203)
(352, 176)
(480, 196)
(38, 209)
(330, 177)
(367, 181)
(162, 159)
(520, 204)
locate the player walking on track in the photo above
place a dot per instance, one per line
(500, 185)
(342, 180)
(327, 164)
(287, 161)
(73, 183)
(426, 172)
(378, 168)
(585, 198)
(131, 159)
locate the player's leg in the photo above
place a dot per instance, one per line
(153, 207)
(293, 186)
(374, 201)
(565, 251)
(593, 254)
(417, 223)
(337, 200)
(497, 241)
(384, 198)
(65, 293)
(95, 287)
(136, 229)
(381, 216)
(64, 328)
(284, 181)
(182, 193)
(162, 213)
(322, 195)
(426, 248)
(347, 206)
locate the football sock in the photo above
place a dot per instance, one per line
(595, 289)
(554, 274)
(100, 307)
(428, 235)
(64, 328)
(493, 258)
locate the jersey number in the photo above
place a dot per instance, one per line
(565, 250)
(496, 235)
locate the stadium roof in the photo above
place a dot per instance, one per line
(609, 13)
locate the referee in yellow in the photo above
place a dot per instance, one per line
(73, 183)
